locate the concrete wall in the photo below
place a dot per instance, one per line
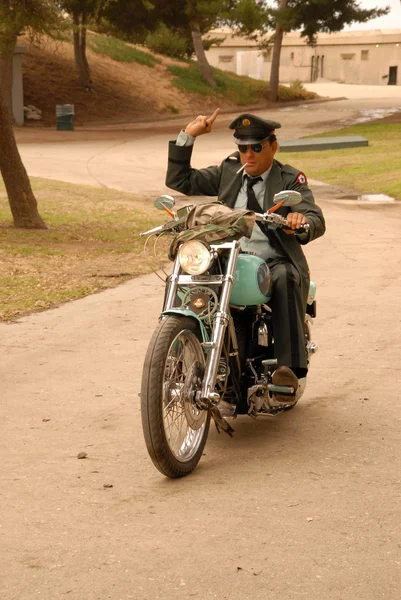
(18, 90)
(360, 57)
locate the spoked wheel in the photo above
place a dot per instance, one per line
(175, 428)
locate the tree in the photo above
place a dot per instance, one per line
(34, 17)
(310, 17)
(192, 19)
(245, 16)
(133, 18)
(82, 11)
(22, 200)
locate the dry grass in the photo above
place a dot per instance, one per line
(374, 169)
(92, 244)
(127, 91)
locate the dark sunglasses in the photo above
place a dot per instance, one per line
(257, 148)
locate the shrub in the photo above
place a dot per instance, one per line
(297, 86)
(167, 42)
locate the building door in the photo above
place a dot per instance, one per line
(392, 76)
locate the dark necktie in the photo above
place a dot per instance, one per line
(254, 205)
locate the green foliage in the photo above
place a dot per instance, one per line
(35, 17)
(168, 42)
(133, 18)
(297, 86)
(120, 51)
(312, 16)
(144, 17)
(249, 17)
(105, 27)
(242, 91)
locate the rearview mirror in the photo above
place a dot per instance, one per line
(287, 198)
(164, 201)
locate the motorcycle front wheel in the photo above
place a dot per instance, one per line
(174, 427)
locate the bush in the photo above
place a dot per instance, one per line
(295, 91)
(297, 86)
(167, 42)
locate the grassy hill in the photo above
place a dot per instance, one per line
(132, 84)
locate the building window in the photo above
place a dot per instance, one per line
(226, 59)
(347, 56)
(364, 54)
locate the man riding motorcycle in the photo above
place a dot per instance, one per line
(253, 186)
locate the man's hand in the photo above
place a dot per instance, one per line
(295, 221)
(201, 124)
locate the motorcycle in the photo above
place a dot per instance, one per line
(214, 345)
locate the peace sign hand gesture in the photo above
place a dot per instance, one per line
(201, 124)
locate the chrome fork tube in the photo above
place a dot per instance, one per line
(172, 286)
(219, 326)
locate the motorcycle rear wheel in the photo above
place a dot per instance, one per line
(175, 429)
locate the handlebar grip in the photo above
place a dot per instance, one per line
(303, 228)
(154, 230)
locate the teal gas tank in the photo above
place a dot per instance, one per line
(252, 281)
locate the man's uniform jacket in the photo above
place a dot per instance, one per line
(222, 181)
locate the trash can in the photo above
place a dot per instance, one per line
(65, 117)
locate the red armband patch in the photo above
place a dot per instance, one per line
(301, 178)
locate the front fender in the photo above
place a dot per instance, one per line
(185, 312)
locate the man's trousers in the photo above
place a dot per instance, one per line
(288, 317)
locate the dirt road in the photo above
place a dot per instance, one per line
(306, 505)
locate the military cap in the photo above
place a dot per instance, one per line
(249, 129)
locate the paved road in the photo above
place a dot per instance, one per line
(306, 505)
(303, 506)
(134, 160)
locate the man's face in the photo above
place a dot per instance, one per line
(257, 163)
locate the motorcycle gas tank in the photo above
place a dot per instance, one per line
(252, 281)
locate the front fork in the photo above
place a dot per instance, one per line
(221, 320)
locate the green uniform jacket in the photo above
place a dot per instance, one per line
(222, 181)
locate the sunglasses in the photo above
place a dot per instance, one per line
(257, 148)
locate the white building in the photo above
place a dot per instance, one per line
(360, 57)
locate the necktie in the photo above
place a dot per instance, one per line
(254, 205)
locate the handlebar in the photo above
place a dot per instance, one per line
(279, 221)
(170, 225)
(267, 218)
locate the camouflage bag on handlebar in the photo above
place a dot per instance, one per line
(214, 222)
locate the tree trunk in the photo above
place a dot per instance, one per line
(81, 62)
(8, 44)
(22, 201)
(201, 56)
(275, 68)
(6, 80)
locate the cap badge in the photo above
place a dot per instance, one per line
(246, 122)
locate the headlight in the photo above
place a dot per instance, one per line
(194, 257)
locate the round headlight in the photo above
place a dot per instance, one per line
(194, 257)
